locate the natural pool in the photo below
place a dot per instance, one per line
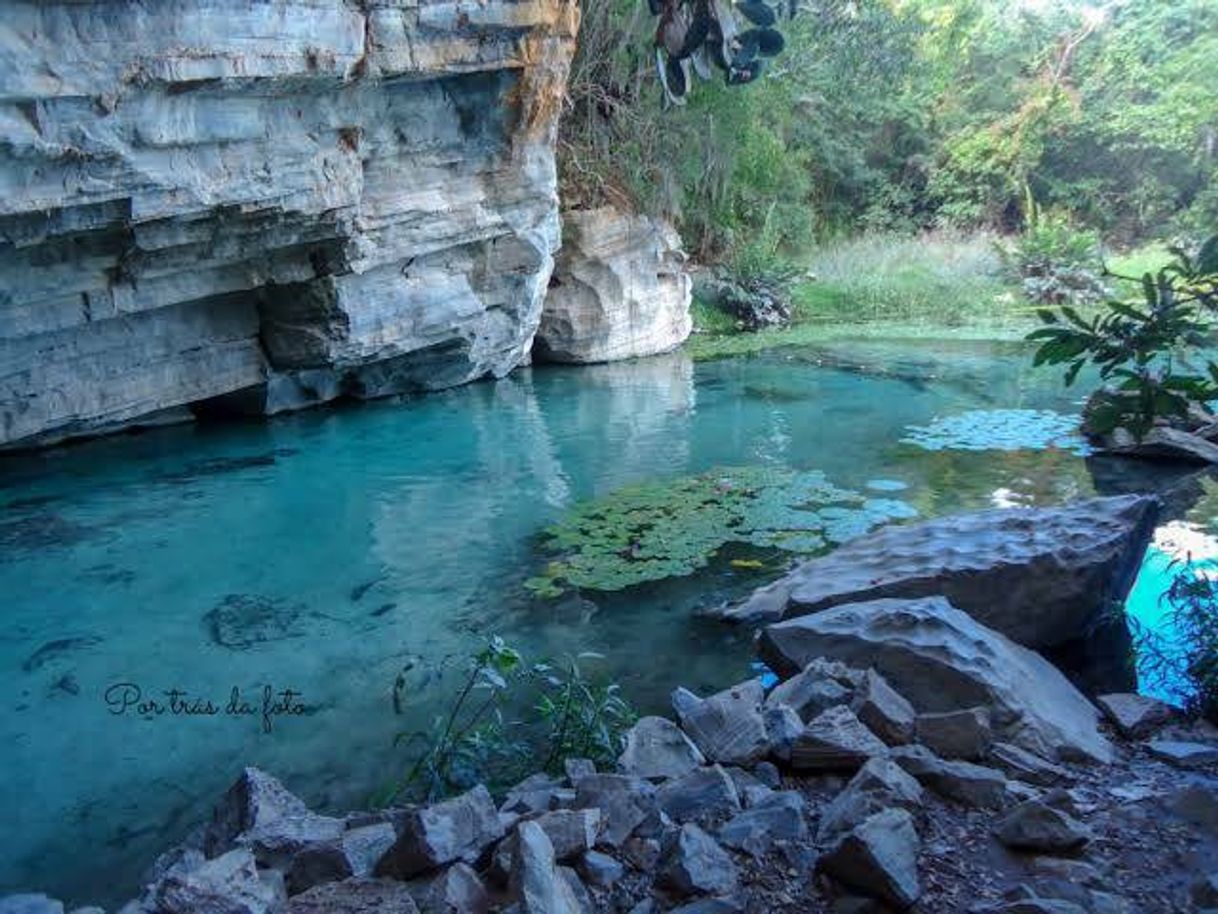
(324, 552)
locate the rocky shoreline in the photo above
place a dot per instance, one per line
(911, 756)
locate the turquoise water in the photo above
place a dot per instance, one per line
(326, 552)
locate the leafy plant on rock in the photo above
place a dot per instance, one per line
(1146, 349)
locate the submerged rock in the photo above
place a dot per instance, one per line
(942, 659)
(619, 290)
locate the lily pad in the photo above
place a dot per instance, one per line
(1000, 430)
(657, 530)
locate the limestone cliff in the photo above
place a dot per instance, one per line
(263, 205)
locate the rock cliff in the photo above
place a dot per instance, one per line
(258, 206)
(619, 290)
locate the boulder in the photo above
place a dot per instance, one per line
(942, 659)
(700, 794)
(1164, 443)
(619, 290)
(256, 802)
(821, 685)
(694, 864)
(535, 794)
(880, 784)
(1025, 766)
(536, 882)
(571, 831)
(782, 728)
(836, 740)
(964, 782)
(357, 896)
(1135, 716)
(458, 829)
(962, 734)
(888, 715)
(228, 884)
(656, 748)
(1183, 755)
(878, 858)
(779, 817)
(353, 853)
(456, 890)
(727, 727)
(600, 869)
(1037, 575)
(1036, 826)
(624, 803)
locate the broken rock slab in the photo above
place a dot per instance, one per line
(536, 882)
(727, 727)
(941, 659)
(1037, 575)
(879, 858)
(457, 829)
(1183, 755)
(1135, 716)
(355, 896)
(836, 740)
(963, 734)
(964, 782)
(695, 864)
(1037, 826)
(657, 748)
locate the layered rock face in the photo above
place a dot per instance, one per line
(264, 205)
(619, 290)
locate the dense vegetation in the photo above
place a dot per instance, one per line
(908, 115)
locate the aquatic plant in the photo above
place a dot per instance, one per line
(1179, 657)
(563, 713)
(656, 530)
(1000, 430)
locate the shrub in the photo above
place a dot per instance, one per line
(1055, 263)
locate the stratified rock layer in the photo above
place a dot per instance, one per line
(260, 206)
(619, 290)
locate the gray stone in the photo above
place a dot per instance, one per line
(571, 831)
(836, 740)
(619, 289)
(582, 897)
(880, 784)
(780, 817)
(1196, 803)
(694, 864)
(624, 803)
(1037, 906)
(30, 903)
(1205, 891)
(783, 728)
(257, 802)
(878, 858)
(700, 794)
(1026, 766)
(727, 727)
(710, 906)
(962, 734)
(657, 748)
(1037, 826)
(642, 853)
(353, 853)
(1039, 576)
(942, 659)
(536, 882)
(361, 201)
(821, 685)
(355, 896)
(768, 774)
(576, 768)
(1183, 755)
(1163, 443)
(749, 788)
(535, 794)
(457, 889)
(457, 829)
(228, 884)
(964, 782)
(600, 869)
(885, 712)
(1135, 716)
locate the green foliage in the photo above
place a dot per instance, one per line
(584, 718)
(1055, 263)
(658, 530)
(1142, 347)
(1182, 657)
(570, 714)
